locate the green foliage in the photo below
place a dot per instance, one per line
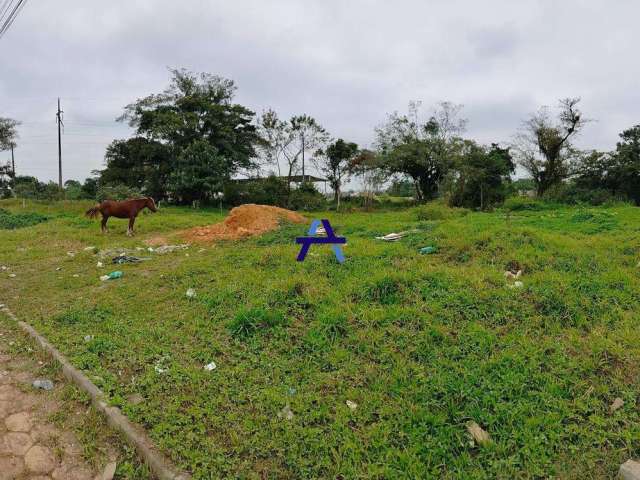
(306, 197)
(195, 123)
(265, 191)
(543, 147)
(139, 163)
(617, 173)
(401, 188)
(518, 204)
(249, 321)
(116, 192)
(422, 151)
(32, 188)
(335, 162)
(10, 221)
(481, 176)
(421, 343)
(439, 211)
(199, 173)
(8, 133)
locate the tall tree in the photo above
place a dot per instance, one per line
(198, 108)
(423, 151)
(335, 163)
(276, 137)
(138, 163)
(481, 175)
(307, 135)
(368, 166)
(543, 146)
(628, 163)
(199, 173)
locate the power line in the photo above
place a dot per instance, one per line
(8, 21)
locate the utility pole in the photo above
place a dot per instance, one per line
(59, 120)
(303, 156)
(13, 162)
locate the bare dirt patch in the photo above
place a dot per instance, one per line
(244, 221)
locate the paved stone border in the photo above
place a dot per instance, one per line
(135, 435)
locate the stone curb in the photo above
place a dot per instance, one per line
(135, 435)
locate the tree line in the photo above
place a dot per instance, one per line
(192, 139)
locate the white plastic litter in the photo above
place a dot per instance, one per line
(391, 237)
(510, 274)
(210, 366)
(351, 405)
(286, 413)
(191, 293)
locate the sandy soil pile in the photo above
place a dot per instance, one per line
(244, 221)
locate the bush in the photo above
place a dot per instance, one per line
(439, 211)
(265, 191)
(306, 197)
(10, 221)
(518, 204)
(116, 192)
(32, 188)
(571, 194)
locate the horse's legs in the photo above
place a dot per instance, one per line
(130, 229)
(104, 223)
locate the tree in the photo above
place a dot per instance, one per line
(139, 163)
(544, 148)
(627, 171)
(368, 166)
(199, 173)
(306, 134)
(276, 137)
(423, 151)
(617, 172)
(481, 175)
(8, 133)
(90, 187)
(198, 108)
(335, 163)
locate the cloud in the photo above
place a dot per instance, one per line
(347, 63)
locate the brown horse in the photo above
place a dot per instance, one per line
(126, 209)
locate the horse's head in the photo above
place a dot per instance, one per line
(151, 205)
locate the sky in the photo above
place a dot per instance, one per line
(348, 63)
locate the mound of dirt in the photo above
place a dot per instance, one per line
(244, 221)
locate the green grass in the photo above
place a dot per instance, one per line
(422, 343)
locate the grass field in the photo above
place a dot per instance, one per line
(421, 343)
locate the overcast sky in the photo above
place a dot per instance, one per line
(346, 62)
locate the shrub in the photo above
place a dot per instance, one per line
(439, 211)
(306, 197)
(266, 191)
(249, 321)
(10, 221)
(572, 194)
(517, 204)
(116, 191)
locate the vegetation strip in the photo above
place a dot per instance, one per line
(158, 463)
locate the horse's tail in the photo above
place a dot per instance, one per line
(93, 212)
